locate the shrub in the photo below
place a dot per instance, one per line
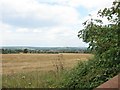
(92, 73)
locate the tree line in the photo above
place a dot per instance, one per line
(17, 51)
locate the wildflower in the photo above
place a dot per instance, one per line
(23, 77)
(29, 83)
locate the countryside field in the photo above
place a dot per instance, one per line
(17, 63)
(38, 70)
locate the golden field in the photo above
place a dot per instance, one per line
(15, 63)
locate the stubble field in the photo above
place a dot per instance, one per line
(17, 63)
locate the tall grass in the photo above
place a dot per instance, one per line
(35, 79)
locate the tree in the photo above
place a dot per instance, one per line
(25, 51)
(104, 40)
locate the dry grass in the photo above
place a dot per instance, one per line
(15, 63)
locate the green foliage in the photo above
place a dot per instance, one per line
(92, 73)
(104, 40)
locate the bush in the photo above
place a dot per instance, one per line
(92, 73)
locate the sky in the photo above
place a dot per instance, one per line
(46, 23)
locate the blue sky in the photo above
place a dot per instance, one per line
(45, 22)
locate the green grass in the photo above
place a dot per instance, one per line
(35, 79)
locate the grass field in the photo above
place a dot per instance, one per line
(20, 70)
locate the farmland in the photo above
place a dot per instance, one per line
(17, 63)
(38, 70)
(63, 66)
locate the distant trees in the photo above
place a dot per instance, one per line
(25, 51)
(10, 51)
(49, 51)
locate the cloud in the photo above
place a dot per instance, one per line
(45, 22)
(76, 3)
(90, 4)
(31, 13)
(56, 36)
(22, 30)
(4, 26)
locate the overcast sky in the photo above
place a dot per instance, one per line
(45, 22)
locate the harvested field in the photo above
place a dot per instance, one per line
(15, 63)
